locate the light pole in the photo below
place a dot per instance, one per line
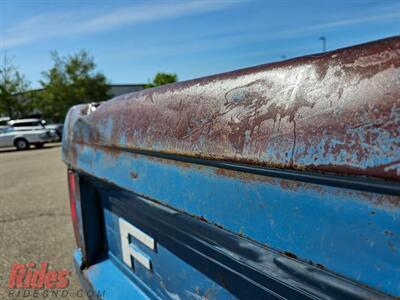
(323, 39)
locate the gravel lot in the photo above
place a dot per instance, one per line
(34, 214)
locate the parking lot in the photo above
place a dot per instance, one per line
(34, 213)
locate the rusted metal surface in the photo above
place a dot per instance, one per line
(335, 112)
(349, 232)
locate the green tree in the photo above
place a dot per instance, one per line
(71, 80)
(13, 85)
(162, 78)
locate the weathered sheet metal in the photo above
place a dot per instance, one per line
(338, 112)
(348, 232)
(198, 252)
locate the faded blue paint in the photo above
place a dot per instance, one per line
(110, 282)
(307, 153)
(349, 232)
(108, 129)
(337, 112)
(163, 280)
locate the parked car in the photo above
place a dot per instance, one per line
(4, 122)
(22, 139)
(33, 124)
(274, 182)
(58, 128)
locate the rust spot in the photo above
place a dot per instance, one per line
(388, 232)
(201, 218)
(289, 254)
(241, 231)
(243, 176)
(322, 267)
(178, 163)
(210, 293)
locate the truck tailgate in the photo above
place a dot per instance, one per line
(279, 181)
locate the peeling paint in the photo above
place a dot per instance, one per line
(338, 112)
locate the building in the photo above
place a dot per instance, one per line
(120, 89)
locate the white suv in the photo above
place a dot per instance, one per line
(22, 139)
(34, 124)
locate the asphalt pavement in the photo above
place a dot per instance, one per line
(35, 218)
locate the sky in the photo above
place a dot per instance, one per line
(132, 40)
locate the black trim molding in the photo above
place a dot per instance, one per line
(245, 268)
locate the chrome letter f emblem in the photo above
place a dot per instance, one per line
(129, 249)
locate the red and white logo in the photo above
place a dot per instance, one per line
(30, 276)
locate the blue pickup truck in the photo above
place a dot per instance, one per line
(279, 181)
